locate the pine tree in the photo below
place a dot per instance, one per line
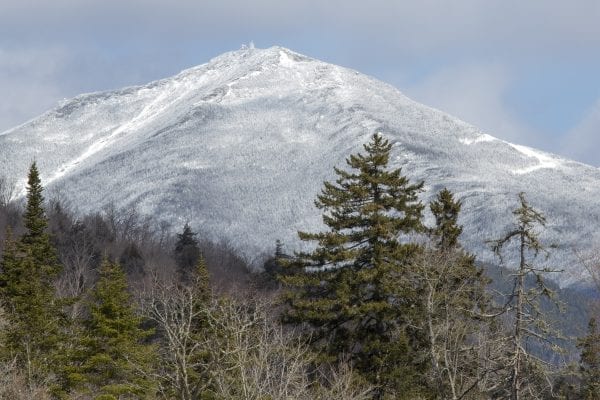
(186, 252)
(27, 273)
(115, 358)
(197, 354)
(454, 292)
(278, 249)
(355, 289)
(464, 274)
(446, 210)
(274, 265)
(8, 261)
(201, 282)
(36, 240)
(589, 363)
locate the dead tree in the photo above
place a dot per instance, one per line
(528, 324)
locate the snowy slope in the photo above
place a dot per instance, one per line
(240, 146)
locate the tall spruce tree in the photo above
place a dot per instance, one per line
(355, 290)
(193, 376)
(454, 292)
(36, 240)
(115, 359)
(186, 252)
(446, 210)
(27, 273)
(589, 364)
(464, 273)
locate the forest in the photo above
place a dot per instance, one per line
(119, 305)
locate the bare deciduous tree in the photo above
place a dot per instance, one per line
(176, 310)
(14, 384)
(258, 359)
(242, 352)
(451, 323)
(7, 190)
(77, 258)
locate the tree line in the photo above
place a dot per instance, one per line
(382, 306)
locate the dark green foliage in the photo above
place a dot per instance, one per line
(35, 216)
(114, 358)
(454, 289)
(198, 355)
(464, 276)
(201, 283)
(404, 315)
(8, 264)
(274, 265)
(355, 289)
(36, 240)
(132, 261)
(445, 210)
(27, 273)
(186, 252)
(589, 363)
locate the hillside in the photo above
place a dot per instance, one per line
(240, 146)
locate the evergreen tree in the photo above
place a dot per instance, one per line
(115, 359)
(186, 252)
(36, 240)
(464, 274)
(455, 294)
(201, 282)
(197, 354)
(278, 249)
(589, 363)
(274, 265)
(132, 261)
(355, 289)
(27, 273)
(446, 210)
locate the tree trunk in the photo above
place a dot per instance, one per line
(516, 373)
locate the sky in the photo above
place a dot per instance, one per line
(523, 71)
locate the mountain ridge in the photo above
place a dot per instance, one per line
(239, 147)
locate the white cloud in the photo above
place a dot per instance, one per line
(475, 93)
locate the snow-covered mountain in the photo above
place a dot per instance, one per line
(240, 147)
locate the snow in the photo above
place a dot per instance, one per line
(144, 117)
(241, 145)
(483, 138)
(285, 60)
(543, 160)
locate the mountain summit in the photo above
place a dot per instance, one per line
(240, 146)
